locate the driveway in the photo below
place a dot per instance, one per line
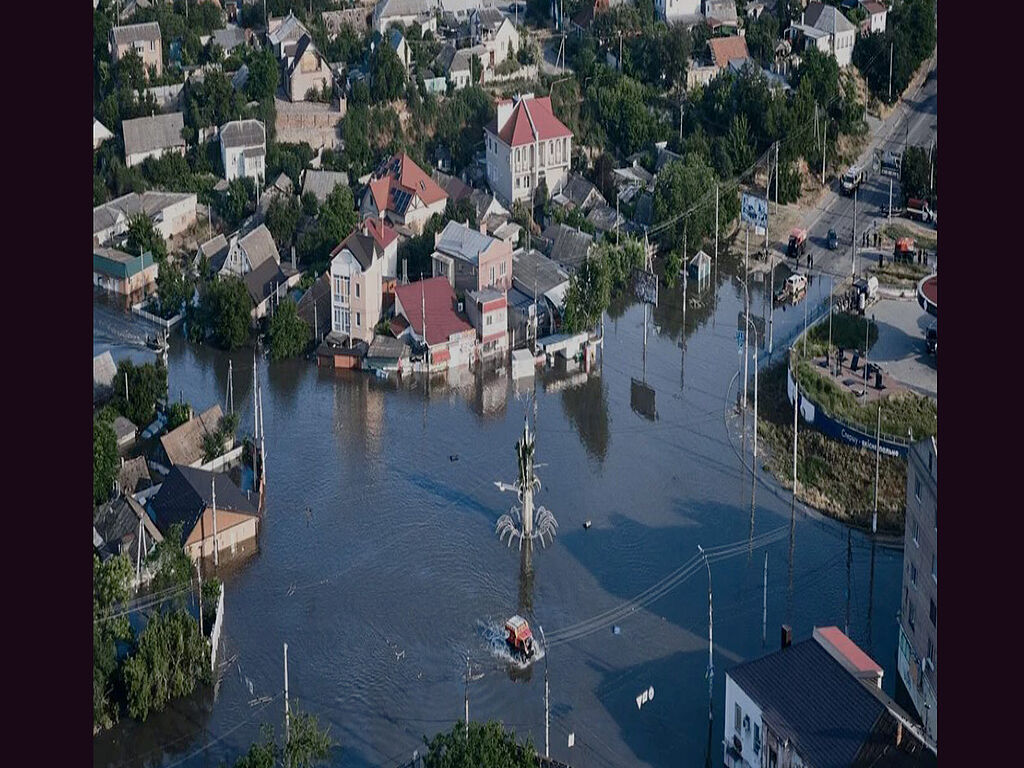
(900, 346)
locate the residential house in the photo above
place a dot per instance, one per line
(496, 33)
(631, 181)
(487, 310)
(122, 527)
(356, 286)
(171, 213)
(124, 431)
(100, 133)
(243, 150)
(426, 314)
(918, 618)
(152, 137)
(284, 31)
(386, 237)
(314, 308)
(537, 298)
(585, 16)
(577, 193)
(604, 218)
(230, 37)
(266, 284)
(567, 246)
(401, 192)
(322, 183)
(725, 50)
(457, 64)
(184, 444)
(406, 12)
(721, 14)
(357, 18)
(306, 69)
(817, 702)
(825, 27)
(144, 39)
(239, 255)
(120, 273)
(215, 514)
(471, 260)
(876, 19)
(679, 11)
(281, 189)
(525, 144)
(167, 97)
(103, 373)
(133, 476)
(386, 353)
(401, 48)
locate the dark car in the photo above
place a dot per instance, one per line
(833, 240)
(931, 340)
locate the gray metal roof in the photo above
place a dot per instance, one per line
(362, 247)
(569, 246)
(463, 242)
(187, 491)
(533, 270)
(150, 203)
(826, 18)
(259, 247)
(103, 370)
(243, 133)
(230, 37)
(262, 280)
(130, 33)
(145, 134)
(490, 18)
(387, 8)
(805, 695)
(322, 183)
(603, 217)
(289, 30)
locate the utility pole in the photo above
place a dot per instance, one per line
(931, 167)
(229, 397)
(776, 176)
(878, 447)
(771, 308)
(764, 604)
(755, 392)
(287, 713)
(824, 147)
(547, 708)
(890, 71)
(828, 353)
(746, 314)
(889, 212)
(716, 225)
(849, 566)
(199, 574)
(796, 400)
(805, 327)
(467, 698)
(711, 645)
(126, 400)
(853, 263)
(216, 548)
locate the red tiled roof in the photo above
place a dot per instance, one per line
(872, 7)
(439, 298)
(860, 660)
(517, 130)
(381, 231)
(399, 172)
(725, 49)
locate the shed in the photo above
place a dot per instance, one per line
(125, 431)
(699, 267)
(386, 353)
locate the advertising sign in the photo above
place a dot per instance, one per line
(754, 210)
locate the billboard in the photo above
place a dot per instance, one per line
(754, 210)
(645, 285)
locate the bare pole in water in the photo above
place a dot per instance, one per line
(213, 493)
(287, 713)
(796, 400)
(764, 605)
(711, 644)
(878, 446)
(467, 698)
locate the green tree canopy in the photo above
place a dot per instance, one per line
(174, 288)
(143, 236)
(104, 459)
(587, 296)
(387, 74)
(288, 335)
(224, 313)
(147, 383)
(487, 745)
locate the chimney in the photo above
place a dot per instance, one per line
(787, 635)
(801, 18)
(504, 112)
(483, 227)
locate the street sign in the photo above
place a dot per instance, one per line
(754, 210)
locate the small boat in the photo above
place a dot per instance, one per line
(519, 638)
(158, 343)
(587, 524)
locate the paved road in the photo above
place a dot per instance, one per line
(900, 346)
(912, 123)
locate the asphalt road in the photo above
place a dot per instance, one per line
(913, 123)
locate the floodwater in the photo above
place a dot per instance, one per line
(380, 568)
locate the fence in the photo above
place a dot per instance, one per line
(221, 461)
(166, 324)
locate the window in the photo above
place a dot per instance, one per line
(757, 738)
(517, 182)
(337, 319)
(935, 568)
(358, 321)
(911, 615)
(337, 286)
(492, 274)
(932, 611)
(917, 488)
(931, 651)
(738, 718)
(917, 531)
(357, 293)
(489, 320)
(913, 574)
(503, 268)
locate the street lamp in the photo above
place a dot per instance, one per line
(750, 324)
(547, 709)
(711, 665)
(746, 304)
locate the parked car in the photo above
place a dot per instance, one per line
(797, 243)
(931, 340)
(833, 240)
(851, 180)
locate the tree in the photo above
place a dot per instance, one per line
(225, 309)
(387, 74)
(111, 585)
(310, 205)
(263, 75)
(288, 334)
(308, 745)
(143, 236)
(173, 287)
(587, 297)
(915, 175)
(282, 219)
(147, 384)
(178, 414)
(909, 36)
(686, 187)
(234, 205)
(172, 658)
(476, 69)
(337, 218)
(172, 567)
(104, 459)
(486, 745)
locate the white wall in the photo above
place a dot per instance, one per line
(237, 166)
(843, 52)
(178, 217)
(671, 10)
(138, 157)
(748, 708)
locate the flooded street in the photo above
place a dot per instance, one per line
(395, 575)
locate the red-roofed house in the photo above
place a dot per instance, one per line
(847, 653)
(401, 192)
(526, 143)
(428, 307)
(726, 49)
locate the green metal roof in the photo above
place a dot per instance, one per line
(110, 261)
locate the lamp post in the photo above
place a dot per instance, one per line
(750, 324)
(711, 665)
(746, 315)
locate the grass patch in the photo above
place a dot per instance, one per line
(900, 275)
(847, 332)
(896, 231)
(833, 477)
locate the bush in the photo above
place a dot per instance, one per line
(288, 335)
